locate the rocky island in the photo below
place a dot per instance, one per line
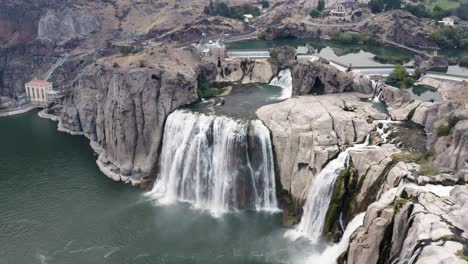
(254, 131)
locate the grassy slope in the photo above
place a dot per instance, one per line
(444, 4)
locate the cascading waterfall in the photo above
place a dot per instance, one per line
(216, 163)
(333, 252)
(319, 195)
(284, 80)
(377, 92)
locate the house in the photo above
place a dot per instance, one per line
(341, 9)
(36, 90)
(248, 17)
(450, 21)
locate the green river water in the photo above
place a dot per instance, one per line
(57, 207)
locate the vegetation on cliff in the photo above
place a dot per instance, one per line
(400, 78)
(236, 12)
(451, 37)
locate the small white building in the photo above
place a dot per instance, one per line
(341, 9)
(450, 21)
(37, 90)
(248, 17)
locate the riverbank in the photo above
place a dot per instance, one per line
(19, 110)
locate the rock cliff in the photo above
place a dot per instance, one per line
(247, 71)
(445, 124)
(412, 224)
(308, 131)
(122, 111)
(320, 78)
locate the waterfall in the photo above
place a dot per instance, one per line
(319, 195)
(216, 163)
(333, 252)
(283, 80)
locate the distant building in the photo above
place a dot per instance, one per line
(248, 17)
(450, 21)
(342, 8)
(36, 90)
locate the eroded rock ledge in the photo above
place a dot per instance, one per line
(308, 131)
(320, 78)
(417, 225)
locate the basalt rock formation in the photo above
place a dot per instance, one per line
(308, 131)
(445, 123)
(122, 111)
(401, 27)
(412, 225)
(247, 71)
(320, 78)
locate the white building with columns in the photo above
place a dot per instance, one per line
(36, 90)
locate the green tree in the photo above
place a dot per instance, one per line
(376, 6)
(399, 77)
(314, 13)
(321, 5)
(392, 4)
(439, 13)
(265, 4)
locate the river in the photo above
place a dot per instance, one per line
(57, 207)
(359, 55)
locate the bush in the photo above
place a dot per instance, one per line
(142, 63)
(444, 130)
(464, 61)
(427, 168)
(235, 12)
(314, 13)
(321, 5)
(207, 89)
(350, 37)
(389, 59)
(116, 65)
(400, 78)
(265, 4)
(451, 37)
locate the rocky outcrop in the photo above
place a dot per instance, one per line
(64, 25)
(444, 122)
(307, 131)
(412, 224)
(426, 63)
(122, 112)
(399, 102)
(401, 27)
(319, 78)
(247, 71)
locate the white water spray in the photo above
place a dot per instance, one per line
(216, 163)
(283, 80)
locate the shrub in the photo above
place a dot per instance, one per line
(400, 78)
(314, 13)
(349, 37)
(389, 59)
(321, 5)
(115, 65)
(464, 61)
(142, 63)
(206, 89)
(444, 130)
(265, 4)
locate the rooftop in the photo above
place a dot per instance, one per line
(38, 83)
